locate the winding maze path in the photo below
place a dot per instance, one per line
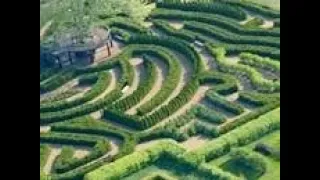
(189, 90)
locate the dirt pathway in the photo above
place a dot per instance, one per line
(101, 54)
(161, 70)
(267, 24)
(176, 24)
(44, 129)
(44, 29)
(54, 153)
(81, 153)
(194, 142)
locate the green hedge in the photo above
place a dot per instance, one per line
(256, 8)
(60, 96)
(249, 159)
(66, 155)
(169, 30)
(256, 78)
(143, 89)
(46, 118)
(224, 84)
(209, 115)
(219, 21)
(224, 104)
(134, 162)
(214, 8)
(259, 99)
(260, 62)
(101, 85)
(101, 148)
(171, 80)
(224, 36)
(241, 136)
(57, 81)
(174, 44)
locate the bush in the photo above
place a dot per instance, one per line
(224, 36)
(209, 115)
(135, 161)
(214, 8)
(256, 78)
(224, 104)
(219, 21)
(101, 85)
(238, 137)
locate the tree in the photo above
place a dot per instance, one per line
(77, 16)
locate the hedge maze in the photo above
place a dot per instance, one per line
(194, 93)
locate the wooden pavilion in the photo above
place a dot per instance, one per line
(72, 49)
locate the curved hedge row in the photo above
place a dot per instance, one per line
(224, 84)
(229, 37)
(260, 62)
(219, 21)
(214, 8)
(256, 78)
(59, 96)
(209, 115)
(174, 44)
(241, 136)
(101, 85)
(256, 8)
(176, 103)
(135, 161)
(66, 155)
(46, 118)
(224, 104)
(100, 148)
(171, 80)
(143, 89)
(259, 99)
(124, 23)
(57, 81)
(169, 30)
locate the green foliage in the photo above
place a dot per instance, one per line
(238, 137)
(215, 8)
(134, 161)
(63, 158)
(209, 115)
(224, 36)
(101, 85)
(256, 78)
(224, 104)
(167, 29)
(260, 62)
(219, 21)
(143, 89)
